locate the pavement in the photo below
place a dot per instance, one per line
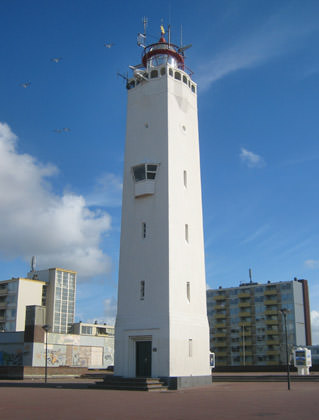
(72, 399)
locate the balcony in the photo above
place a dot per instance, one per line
(272, 332)
(271, 312)
(244, 314)
(220, 297)
(270, 292)
(221, 354)
(243, 295)
(244, 304)
(220, 325)
(271, 302)
(271, 322)
(218, 345)
(244, 324)
(247, 353)
(220, 316)
(272, 342)
(246, 334)
(220, 334)
(219, 307)
(273, 352)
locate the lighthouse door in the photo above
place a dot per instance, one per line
(144, 359)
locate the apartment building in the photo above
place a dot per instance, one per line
(54, 289)
(247, 327)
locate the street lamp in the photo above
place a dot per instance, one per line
(46, 329)
(284, 312)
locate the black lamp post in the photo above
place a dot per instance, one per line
(284, 313)
(46, 329)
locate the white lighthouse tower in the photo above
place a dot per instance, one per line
(161, 325)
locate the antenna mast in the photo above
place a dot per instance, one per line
(250, 276)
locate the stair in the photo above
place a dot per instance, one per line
(131, 384)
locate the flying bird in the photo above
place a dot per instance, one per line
(62, 130)
(108, 44)
(56, 59)
(25, 84)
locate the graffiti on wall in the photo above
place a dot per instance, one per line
(14, 358)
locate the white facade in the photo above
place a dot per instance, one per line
(15, 295)
(162, 288)
(60, 297)
(54, 288)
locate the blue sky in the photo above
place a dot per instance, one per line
(257, 67)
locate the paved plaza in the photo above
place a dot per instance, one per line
(30, 400)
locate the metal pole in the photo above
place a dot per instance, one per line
(287, 353)
(46, 357)
(244, 350)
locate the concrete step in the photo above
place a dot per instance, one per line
(131, 384)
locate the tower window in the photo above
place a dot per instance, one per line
(178, 75)
(163, 71)
(185, 80)
(186, 233)
(142, 290)
(143, 230)
(193, 88)
(144, 171)
(188, 291)
(170, 71)
(154, 74)
(185, 179)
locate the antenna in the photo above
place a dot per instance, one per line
(181, 35)
(169, 34)
(250, 276)
(145, 22)
(123, 76)
(33, 264)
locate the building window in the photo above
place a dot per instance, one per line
(144, 171)
(163, 71)
(143, 230)
(193, 89)
(185, 80)
(186, 233)
(185, 179)
(178, 75)
(188, 291)
(85, 329)
(170, 72)
(190, 347)
(142, 290)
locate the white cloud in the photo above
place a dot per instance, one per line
(278, 35)
(110, 308)
(315, 327)
(251, 159)
(312, 263)
(59, 230)
(107, 191)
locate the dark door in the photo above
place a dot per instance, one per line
(144, 359)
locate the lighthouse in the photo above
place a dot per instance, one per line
(161, 325)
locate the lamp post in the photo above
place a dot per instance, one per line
(244, 352)
(46, 329)
(284, 313)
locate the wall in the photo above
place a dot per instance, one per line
(11, 349)
(63, 350)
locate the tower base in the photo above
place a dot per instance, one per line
(180, 382)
